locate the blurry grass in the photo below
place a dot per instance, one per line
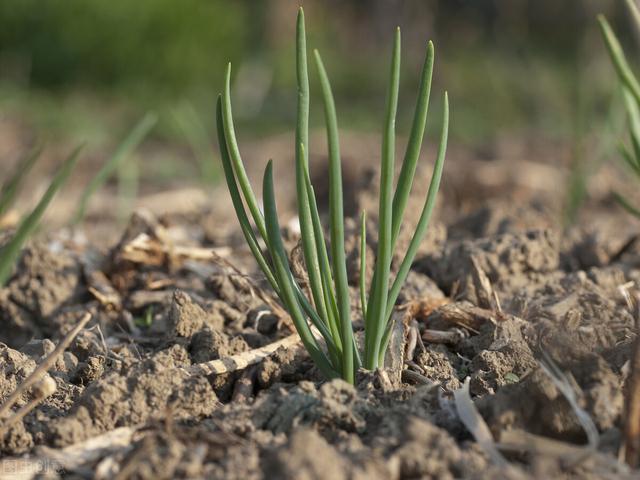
(136, 47)
(11, 250)
(502, 90)
(497, 95)
(129, 144)
(12, 186)
(128, 187)
(195, 132)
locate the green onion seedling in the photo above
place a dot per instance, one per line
(326, 313)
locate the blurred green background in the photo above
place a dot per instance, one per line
(87, 69)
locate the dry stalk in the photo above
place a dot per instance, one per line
(632, 398)
(486, 295)
(243, 360)
(41, 369)
(474, 422)
(41, 390)
(447, 337)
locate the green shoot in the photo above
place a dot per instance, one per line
(327, 315)
(130, 143)
(10, 252)
(11, 188)
(631, 96)
(363, 264)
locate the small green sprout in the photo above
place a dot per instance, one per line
(327, 313)
(631, 96)
(146, 320)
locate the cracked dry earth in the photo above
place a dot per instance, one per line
(539, 324)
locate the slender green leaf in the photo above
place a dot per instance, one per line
(309, 247)
(633, 114)
(238, 206)
(414, 145)
(619, 60)
(249, 235)
(325, 268)
(363, 264)
(236, 159)
(336, 223)
(331, 311)
(283, 275)
(11, 188)
(635, 13)
(11, 251)
(421, 227)
(375, 321)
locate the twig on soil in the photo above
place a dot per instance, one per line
(41, 390)
(44, 366)
(447, 337)
(415, 377)
(90, 450)
(245, 359)
(102, 339)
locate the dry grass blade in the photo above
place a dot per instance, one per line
(519, 442)
(475, 424)
(563, 384)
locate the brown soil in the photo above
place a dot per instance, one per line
(499, 295)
